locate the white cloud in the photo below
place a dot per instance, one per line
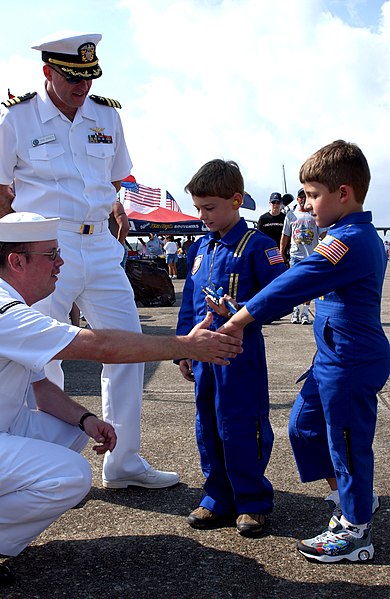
(262, 83)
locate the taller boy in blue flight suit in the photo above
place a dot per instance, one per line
(233, 431)
(333, 420)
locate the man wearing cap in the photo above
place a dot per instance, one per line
(301, 234)
(271, 223)
(66, 152)
(41, 472)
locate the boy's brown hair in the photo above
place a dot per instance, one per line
(217, 178)
(338, 163)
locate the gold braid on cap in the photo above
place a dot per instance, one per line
(78, 73)
(62, 63)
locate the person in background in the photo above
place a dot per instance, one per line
(188, 243)
(300, 234)
(170, 249)
(271, 222)
(66, 153)
(154, 246)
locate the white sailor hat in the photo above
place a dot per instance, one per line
(74, 54)
(27, 226)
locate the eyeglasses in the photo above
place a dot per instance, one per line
(302, 197)
(275, 202)
(68, 78)
(52, 254)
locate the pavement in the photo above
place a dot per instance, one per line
(136, 543)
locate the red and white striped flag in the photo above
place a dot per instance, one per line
(141, 198)
(171, 203)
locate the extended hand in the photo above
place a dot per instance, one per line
(210, 346)
(231, 329)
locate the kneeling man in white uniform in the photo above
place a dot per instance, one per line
(42, 473)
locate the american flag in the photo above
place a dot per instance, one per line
(274, 256)
(331, 248)
(171, 203)
(141, 198)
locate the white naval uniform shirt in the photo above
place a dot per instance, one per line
(28, 340)
(70, 176)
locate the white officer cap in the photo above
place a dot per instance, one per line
(74, 54)
(27, 226)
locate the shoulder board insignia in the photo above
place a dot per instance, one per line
(8, 306)
(18, 99)
(106, 101)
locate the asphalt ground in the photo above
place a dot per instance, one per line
(136, 543)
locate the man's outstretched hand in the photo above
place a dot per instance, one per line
(211, 346)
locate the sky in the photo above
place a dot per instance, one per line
(262, 83)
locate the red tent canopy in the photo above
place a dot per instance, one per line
(160, 215)
(164, 221)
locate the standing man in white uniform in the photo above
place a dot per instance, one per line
(41, 472)
(66, 153)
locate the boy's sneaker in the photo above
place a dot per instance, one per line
(295, 316)
(338, 543)
(305, 319)
(334, 503)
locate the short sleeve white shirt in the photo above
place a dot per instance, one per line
(170, 247)
(58, 169)
(28, 341)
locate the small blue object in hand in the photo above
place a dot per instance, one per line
(216, 295)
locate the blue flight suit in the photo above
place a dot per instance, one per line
(233, 431)
(333, 420)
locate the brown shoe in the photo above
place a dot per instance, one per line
(250, 525)
(204, 518)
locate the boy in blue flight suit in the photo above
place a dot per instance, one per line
(332, 423)
(233, 431)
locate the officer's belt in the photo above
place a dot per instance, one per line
(83, 228)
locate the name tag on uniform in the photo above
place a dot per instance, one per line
(39, 141)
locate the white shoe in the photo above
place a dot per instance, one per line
(305, 319)
(295, 316)
(150, 479)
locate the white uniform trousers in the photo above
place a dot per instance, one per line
(41, 476)
(93, 278)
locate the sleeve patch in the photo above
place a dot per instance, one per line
(331, 248)
(196, 264)
(274, 256)
(4, 309)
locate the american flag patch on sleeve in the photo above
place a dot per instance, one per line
(274, 256)
(331, 248)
